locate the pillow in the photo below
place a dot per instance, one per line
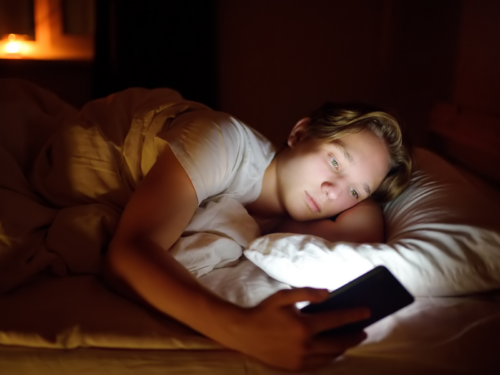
(443, 239)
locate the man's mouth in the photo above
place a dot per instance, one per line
(311, 203)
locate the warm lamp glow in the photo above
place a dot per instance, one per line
(51, 42)
(14, 45)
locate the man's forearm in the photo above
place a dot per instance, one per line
(157, 278)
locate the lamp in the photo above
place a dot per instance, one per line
(14, 46)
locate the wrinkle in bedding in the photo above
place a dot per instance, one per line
(68, 174)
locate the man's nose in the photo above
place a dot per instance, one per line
(332, 191)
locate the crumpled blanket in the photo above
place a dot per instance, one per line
(66, 176)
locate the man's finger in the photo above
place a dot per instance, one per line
(288, 297)
(319, 322)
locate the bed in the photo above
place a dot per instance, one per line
(443, 247)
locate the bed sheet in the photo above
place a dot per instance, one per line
(76, 325)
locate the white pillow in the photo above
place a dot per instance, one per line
(443, 238)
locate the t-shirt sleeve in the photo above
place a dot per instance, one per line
(210, 146)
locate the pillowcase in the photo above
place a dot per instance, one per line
(443, 239)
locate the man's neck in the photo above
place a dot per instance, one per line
(268, 204)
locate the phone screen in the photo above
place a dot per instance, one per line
(377, 290)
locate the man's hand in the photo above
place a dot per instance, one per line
(276, 333)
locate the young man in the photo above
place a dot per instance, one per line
(334, 162)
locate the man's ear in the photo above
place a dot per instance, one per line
(298, 132)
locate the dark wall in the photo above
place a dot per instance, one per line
(280, 59)
(70, 80)
(270, 62)
(152, 44)
(477, 78)
(421, 63)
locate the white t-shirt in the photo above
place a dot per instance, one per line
(221, 155)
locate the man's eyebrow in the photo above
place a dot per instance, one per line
(346, 153)
(367, 189)
(349, 157)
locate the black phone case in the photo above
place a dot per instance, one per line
(377, 290)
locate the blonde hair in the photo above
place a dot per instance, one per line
(333, 121)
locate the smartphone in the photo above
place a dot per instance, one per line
(378, 290)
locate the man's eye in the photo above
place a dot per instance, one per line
(354, 193)
(334, 162)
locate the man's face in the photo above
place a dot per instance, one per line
(318, 179)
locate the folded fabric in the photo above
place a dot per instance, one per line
(67, 174)
(215, 236)
(443, 238)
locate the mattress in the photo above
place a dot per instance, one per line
(77, 325)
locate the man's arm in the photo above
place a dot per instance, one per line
(363, 223)
(274, 331)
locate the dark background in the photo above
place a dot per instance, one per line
(152, 43)
(271, 62)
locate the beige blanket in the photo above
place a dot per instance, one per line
(66, 175)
